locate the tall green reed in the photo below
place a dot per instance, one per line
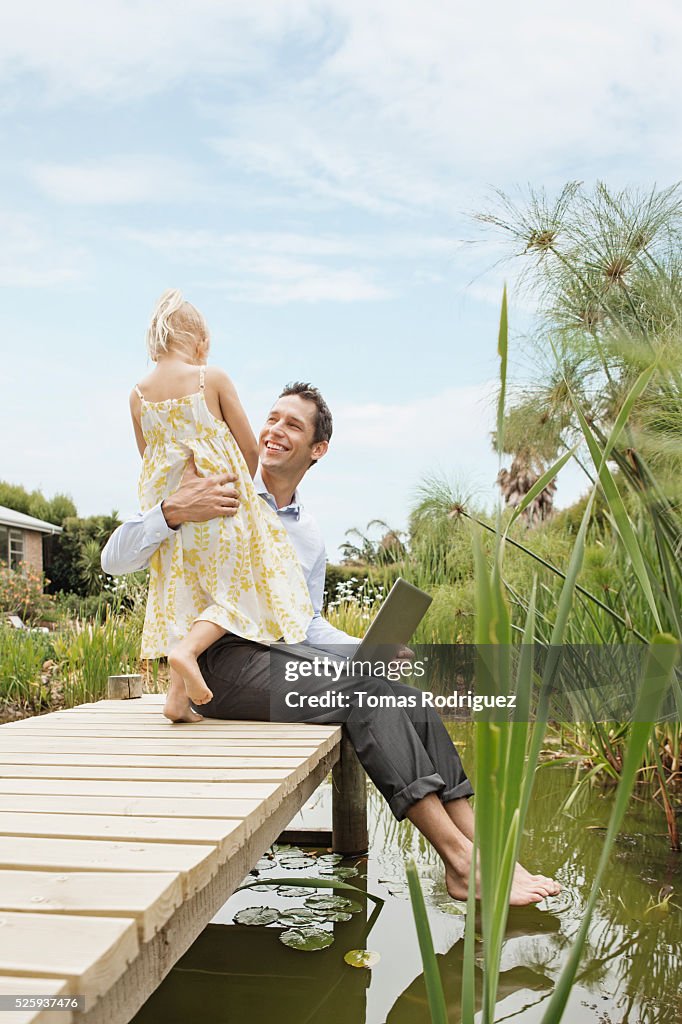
(507, 753)
(89, 652)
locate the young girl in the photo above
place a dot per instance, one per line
(236, 574)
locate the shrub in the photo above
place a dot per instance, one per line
(21, 593)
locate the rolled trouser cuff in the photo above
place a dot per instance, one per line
(417, 790)
(463, 789)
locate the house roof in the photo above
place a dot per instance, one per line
(8, 517)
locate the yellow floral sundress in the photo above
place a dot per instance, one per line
(240, 572)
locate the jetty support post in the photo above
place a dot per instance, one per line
(349, 802)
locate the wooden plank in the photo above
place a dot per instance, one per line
(194, 863)
(133, 788)
(13, 986)
(137, 745)
(207, 725)
(147, 774)
(124, 795)
(155, 807)
(90, 953)
(114, 759)
(189, 735)
(79, 716)
(225, 834)
(157, 957)
(149, 898)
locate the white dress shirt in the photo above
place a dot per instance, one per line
(132, 544)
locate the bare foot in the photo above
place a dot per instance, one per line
(525, 877)
(186, 665)
(177, 708)
(524, 890)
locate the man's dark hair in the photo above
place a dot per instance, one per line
(323, 416)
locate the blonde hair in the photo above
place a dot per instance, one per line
(175, 323)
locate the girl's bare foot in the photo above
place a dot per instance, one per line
(185, 664)
(177, 708)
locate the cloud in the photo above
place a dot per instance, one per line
(30, 256)
(370, 105)
(411, 109)
(275, 268)
(121, 51)
(116, 180)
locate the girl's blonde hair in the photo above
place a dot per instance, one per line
(175, 323)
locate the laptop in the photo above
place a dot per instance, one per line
(401, 612)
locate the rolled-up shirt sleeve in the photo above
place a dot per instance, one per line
(133, 543)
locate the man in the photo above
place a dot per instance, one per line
(407, 752)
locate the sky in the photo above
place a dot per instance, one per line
(306, 172)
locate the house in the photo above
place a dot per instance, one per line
(21, 538)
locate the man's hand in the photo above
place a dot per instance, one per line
(403, 656)
(200, 498)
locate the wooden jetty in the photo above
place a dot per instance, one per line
(121, 835)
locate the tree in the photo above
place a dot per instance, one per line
(34, 503)
(606, 269)
(75, 556)
(386, 550)
(90, 567)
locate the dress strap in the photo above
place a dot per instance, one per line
(139, 393)
(202, 372)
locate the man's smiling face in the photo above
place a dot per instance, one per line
(286, 443)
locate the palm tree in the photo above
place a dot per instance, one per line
(89, 565)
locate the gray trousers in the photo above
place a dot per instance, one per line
(406, 752)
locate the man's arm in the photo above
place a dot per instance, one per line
(321, 633)
(133, 543)
(198, 499)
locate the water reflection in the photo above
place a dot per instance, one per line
(631, 972)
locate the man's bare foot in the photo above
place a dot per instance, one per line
(177, 708)
(522, 875)
(524, 890)
(186, 665)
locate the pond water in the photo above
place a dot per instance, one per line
(631, 971)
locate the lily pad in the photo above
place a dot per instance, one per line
(256, 915)
(333, 903)
(292, 891)
(335, 915)
(260, 888)
(330, 858)
(362, 958)
(296, 863)
(451, 908)
(329, 870)
(264, 864)
(298, 915)
(307, 939)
